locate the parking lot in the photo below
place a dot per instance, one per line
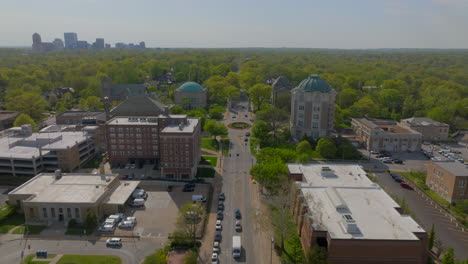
(157, 219)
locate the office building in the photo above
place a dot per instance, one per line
(431, 130)
(71, 40)
(25, 153)
(39, 46)
(190, 96)
(172, 142)
(385, 135)
(449, 179)
(48, 198)
(99, 44)
(337, 207)
(312, 108)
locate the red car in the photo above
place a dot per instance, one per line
(406, 185)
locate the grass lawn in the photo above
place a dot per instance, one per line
(212, 160)
(205, 173)
(89, 259)
(209, 143)
(33, 230)
(9, 219)
(28, 259)
(78, 231)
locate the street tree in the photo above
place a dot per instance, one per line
(326, 147)
(24, 119)
(304, 147)
(449, 256)
(31, 104)
(259, 94)
(431, 238)
(316, 255)
(189, 219)
(273, 116)
(215, 128)
(260, 130)
(217, 113)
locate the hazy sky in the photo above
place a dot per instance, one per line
(242, 23)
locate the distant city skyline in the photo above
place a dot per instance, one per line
(358, 24)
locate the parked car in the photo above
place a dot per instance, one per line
(387, 161)
(399, 179)
(379, 156)
(218, 236)
(238, 214)
(218, 226)
(137, 202)
(221, 197)
(219, 215)
(247, 134)
(397, 161)
(106, 228)
(188, 189)
(139, 193)
(374, 152)
(406, 185)
(220, 206)
(169, 188)
(114, 242)
(132, 166)
(126, 224)
(131, 218)
(198, 198)
(246, 139)
(110, 221)
(238, 226)
(214, 258)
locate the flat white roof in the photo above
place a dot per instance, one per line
(188, 127)
(70, 188)
(130, 120)
(349, 206)
(122, 192)
(26, 147)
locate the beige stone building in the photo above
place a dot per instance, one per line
(190, 96)
(58, 197)
(449, 179)
(386, 135)
(337, 207)
(431, 130)
(312, 108)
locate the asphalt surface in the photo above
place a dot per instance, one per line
(426, 214)
(131, 252)
(237, 189)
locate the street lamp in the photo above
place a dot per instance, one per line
(271, 249)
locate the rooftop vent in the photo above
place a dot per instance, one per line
(350, 224)
(336, 199)
(58, 174)
(327, 172)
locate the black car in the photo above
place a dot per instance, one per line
(220, 206)
(399, 179)
(188, 189)
(221, 197)
(190, 184)
(238, 214)
(169, 188)
(398, 161)
(217, 236)
(379, 156)
(220, 215)
(247, 134)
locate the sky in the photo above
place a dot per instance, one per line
(344, 24)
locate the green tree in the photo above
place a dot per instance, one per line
(449, 256)
(91, 220)
(431, 238)
(327, 148)
(189, 218)
(159, 257)
(391, 98)
(28, 103)
(304, 147)
(273, 116)
(260, 130)
(259, 94)
(365, 106)
(217, 113)
(347, 97)
(316, 255)
(24, 119)
(270, 174)
(191, 257)
(215, 128)
(177, 110)
(91, 103)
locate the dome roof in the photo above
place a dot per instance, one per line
(190, 87)
(314, 83)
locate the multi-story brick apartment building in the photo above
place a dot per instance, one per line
(386, 135)
(337, 207)
(431, 130)
(170, 141)
(449, 179)
(25, 153)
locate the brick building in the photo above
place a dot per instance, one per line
(431, 130)
(386, 135)
(337, 207)
(449, 179)
(7, 118)
(170, 141)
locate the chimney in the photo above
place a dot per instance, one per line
(58, 174)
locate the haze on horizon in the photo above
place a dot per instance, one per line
(358, 24)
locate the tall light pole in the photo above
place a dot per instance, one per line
(271, 249)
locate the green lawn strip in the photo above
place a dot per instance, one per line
(9, 219)
(209, 143)
(205, 173)
(89, 259)
(29, 259)
(212, 160)
(78, 231)
(33, 229)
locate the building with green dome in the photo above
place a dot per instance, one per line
(312, 108)
(190, 96)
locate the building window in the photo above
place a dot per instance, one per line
(314, 125)
(120, 129)
(300, 123)
(112, 141)
(44, 212)
(77, 212)
(461, 183)
(112, 129)
(301, 107)
(31, 212)
(316, 116)
(69, 214)
(112, 135)
(170, 175)
(138, 141)
(52, 212)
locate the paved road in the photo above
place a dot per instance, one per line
(237, 188)
(132, 252)
(427, 214)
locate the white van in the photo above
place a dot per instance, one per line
(139, 193)
(137, 202)
(198, 198)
